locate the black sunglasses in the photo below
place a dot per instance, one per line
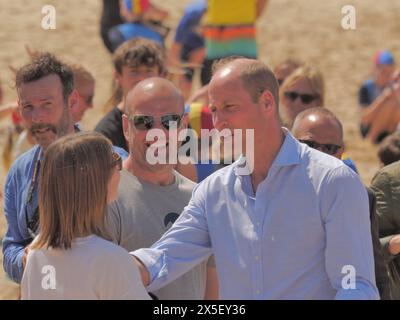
(305, 98)
(142, 122)
(328, 148)
(117, 161)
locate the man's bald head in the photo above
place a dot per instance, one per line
(255, 76)
(321, 126)
(153, 90)
(320, 117)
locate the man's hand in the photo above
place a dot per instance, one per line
(394, 245)
(144, 273)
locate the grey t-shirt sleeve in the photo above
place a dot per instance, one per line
(113, 223)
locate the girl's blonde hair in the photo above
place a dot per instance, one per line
(73, 189)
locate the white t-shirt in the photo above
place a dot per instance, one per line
(92, 269)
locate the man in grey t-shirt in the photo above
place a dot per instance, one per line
(152, 196)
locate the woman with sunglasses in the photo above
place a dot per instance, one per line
(71, 258)
(302, 90)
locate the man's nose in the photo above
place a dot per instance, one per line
(219, 120)
(38, 115)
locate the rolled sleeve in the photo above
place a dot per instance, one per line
(348, 234)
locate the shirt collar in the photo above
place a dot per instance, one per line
(289, 154)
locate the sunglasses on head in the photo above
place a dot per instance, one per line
(328, 148)
(142, 122)
(305, 98)
(116, 161)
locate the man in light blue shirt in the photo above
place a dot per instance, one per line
(294, 225)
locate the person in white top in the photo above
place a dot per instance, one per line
(71, 257)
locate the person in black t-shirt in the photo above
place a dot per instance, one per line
(134, 61)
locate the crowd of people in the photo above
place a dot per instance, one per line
(283, 219)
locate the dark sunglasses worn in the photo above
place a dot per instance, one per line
(117, 161)
(328, 148)
(142, 122)
(305, 98)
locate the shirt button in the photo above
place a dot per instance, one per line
(258, 292)
(257, 258)
(258, 224)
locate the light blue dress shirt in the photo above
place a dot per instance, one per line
(295, 238)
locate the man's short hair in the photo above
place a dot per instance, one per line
(218, 64)
(46, 64)
(389, 150)
(319, 111)
(137, 52)
(256, 77)
(81, 74)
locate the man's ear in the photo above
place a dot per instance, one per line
(342, 150)
(185, 121)
(125, 127)
(117, 77)
(266, 99)
(73, 100)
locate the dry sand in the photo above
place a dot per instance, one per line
(308, 29)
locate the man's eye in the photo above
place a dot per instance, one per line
(27, 107)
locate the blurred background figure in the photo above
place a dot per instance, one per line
(389, 149)
(372, 88)
(141, 18)
(84, 83)
(229, 29)
(320, 129)
(110, 17)
(200, 118)
(302, 90)
(141, 10)
(285, 68)
(187, 50)
(382, 117)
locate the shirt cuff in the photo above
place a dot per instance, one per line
(154, 260)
